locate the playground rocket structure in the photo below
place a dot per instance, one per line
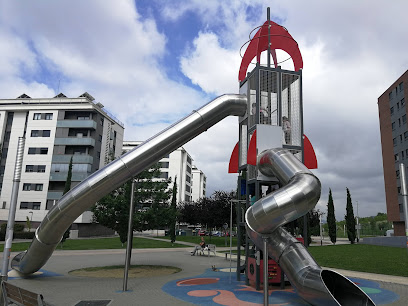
(270, 156)
(276, 156)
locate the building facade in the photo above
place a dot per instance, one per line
(55, 130)
(178, 164)
(394, 142)
(199, 184)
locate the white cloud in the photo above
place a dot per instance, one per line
(202, 65)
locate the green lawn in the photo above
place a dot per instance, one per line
(218, 241)
(101, 243)
(363, 257)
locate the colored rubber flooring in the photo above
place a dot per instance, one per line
(221, 288)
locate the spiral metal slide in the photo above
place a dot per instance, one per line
(299, 194)
(113, 175)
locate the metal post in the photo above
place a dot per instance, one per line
(265, 270)
(321, 232)
(13, 206)
(404, 194)
(231, 242)
(358, 225)
(268, 12)
(130, 236)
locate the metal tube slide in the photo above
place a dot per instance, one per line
(113, 175)
(264, 219)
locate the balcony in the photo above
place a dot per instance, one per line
(90, 124)
(54, 195)
(75, 141)
(62, 176)
(76, 159)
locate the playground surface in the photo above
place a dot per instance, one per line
(196, 284)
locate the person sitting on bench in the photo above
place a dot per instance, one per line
(198, 247)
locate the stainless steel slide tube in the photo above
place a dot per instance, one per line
(113, 175)
(265, 218)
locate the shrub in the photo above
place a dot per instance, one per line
(24, 235)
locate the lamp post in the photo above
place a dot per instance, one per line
(358, 225)
(31, 217)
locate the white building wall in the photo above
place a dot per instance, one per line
(199, 184)
(19, 123)
(179, 165)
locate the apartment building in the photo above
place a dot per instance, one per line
(199, 184)
(177, 164)
(55, 129)
(394, 142)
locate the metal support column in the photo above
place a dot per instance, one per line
(130, 236)
(404, 194)
(265, 270)
(13, 206)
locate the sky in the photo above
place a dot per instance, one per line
(153, 62)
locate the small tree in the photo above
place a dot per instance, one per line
(67, 188)
(173, 212)
(350, 220)
(331, 219)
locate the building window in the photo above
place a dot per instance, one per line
(399, 190)
(390, 95)
(102, 119)
(394, 141)
(188, 179)
(404, 119)
(100, 138)
(398, 105)
(188, 169)
(406, 135)
(48, 116)
(402, 154)
(37, 150)
(34, 133)
(400, 208)
(37, 116)
(396, 157)
(187, 198)
(29, 168)
(26, 187)
(164, 175)
(401, 86)
(393, 126)
(46, 133)
(401, 138)
(399, 122)
(188, 188)
(402, 101)
(30, 205)
(392, 110)
(35, 168)
(98, 155)
(38, 187)
(41, 168)
(164, 164)
(397, 173)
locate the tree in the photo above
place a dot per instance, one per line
(112, 210)
(209, 212)
(331, 219)
(174, 211)
(67, 188)
(350, 220)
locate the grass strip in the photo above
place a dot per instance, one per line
(101, 243)
(363, 258)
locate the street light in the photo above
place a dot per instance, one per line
(31, 218)
(358, 226)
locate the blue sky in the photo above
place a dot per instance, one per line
(167, 58)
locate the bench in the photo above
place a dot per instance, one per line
(209, 248)
(19, 296)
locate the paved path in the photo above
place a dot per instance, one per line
(61, 288)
